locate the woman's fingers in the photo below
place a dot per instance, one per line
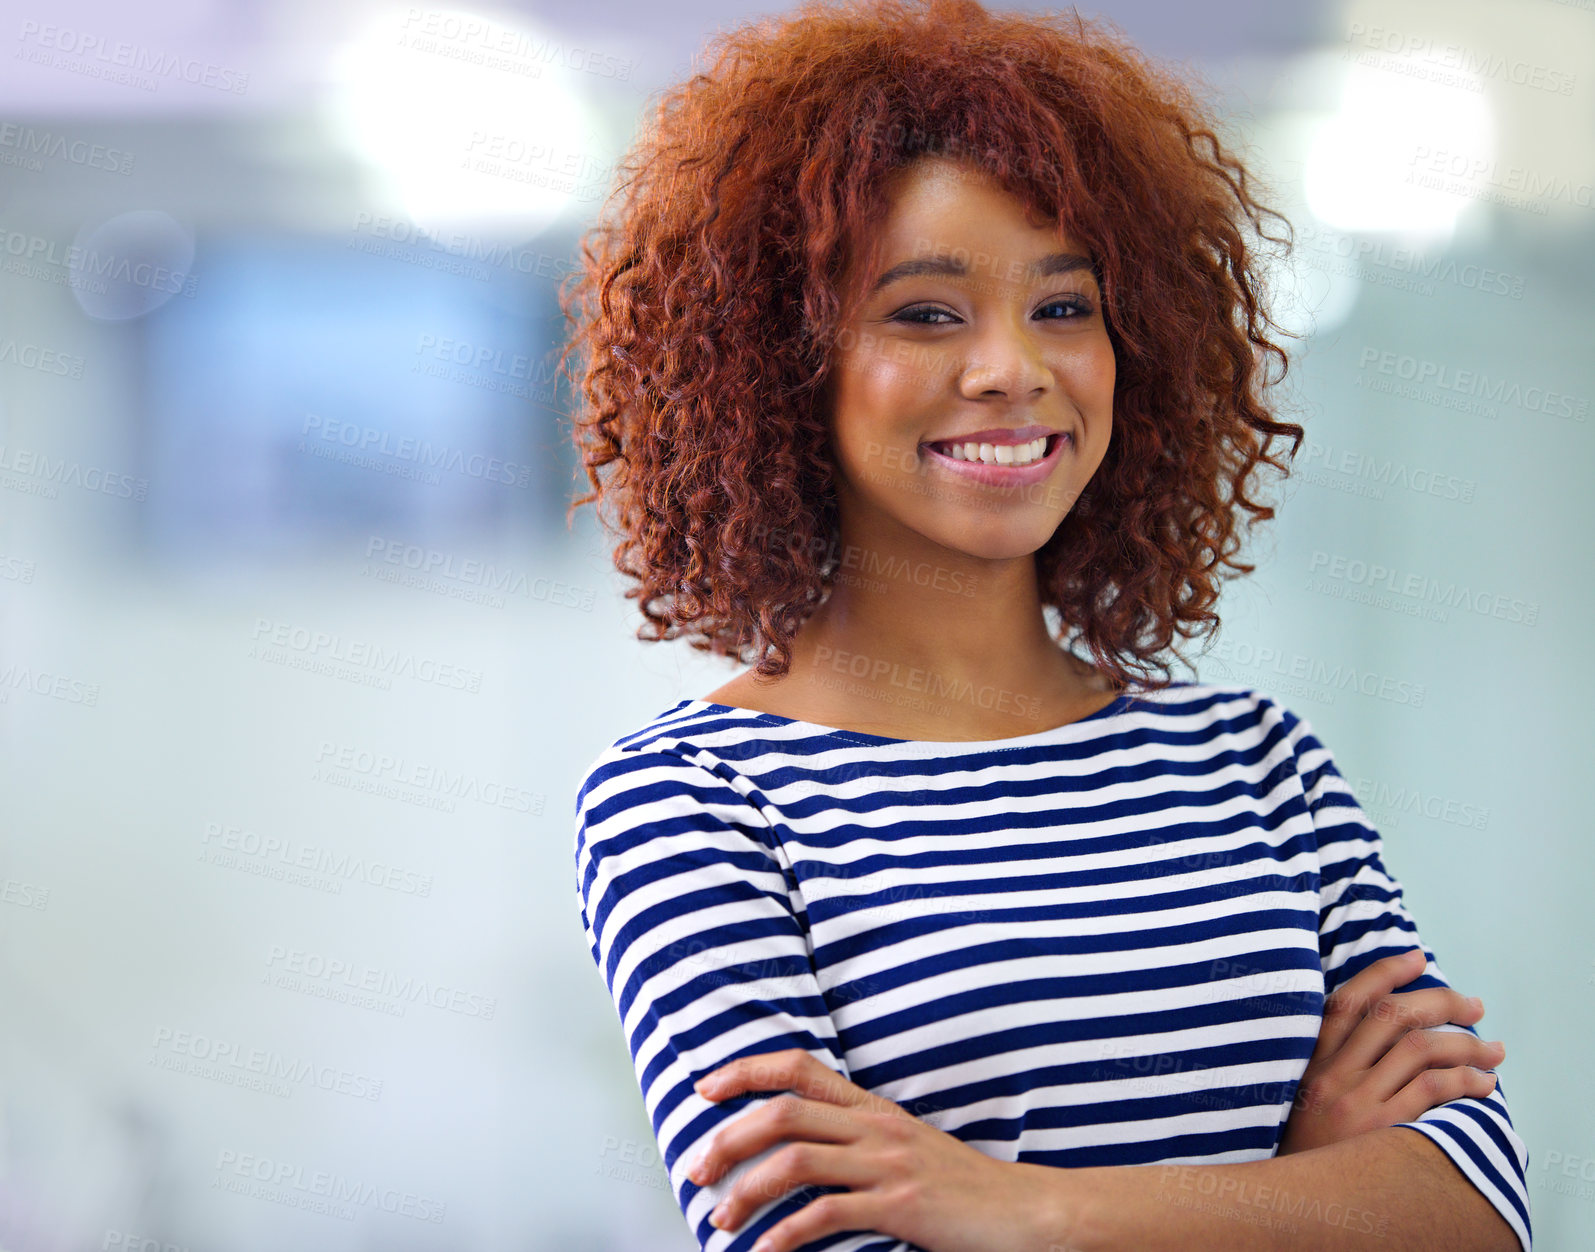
(785, 1117)
(1378, 1063)
(1345, 1008)
(1425, 1050)
(1396, 1014)
(791, 1069)
(796, 1165)
(1435, 1087)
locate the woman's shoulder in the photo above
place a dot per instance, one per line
(1212, 709)
(667, 785)
(1209, 700)
(686, 743)
(692, 726)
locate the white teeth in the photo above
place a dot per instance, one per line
(998, 454)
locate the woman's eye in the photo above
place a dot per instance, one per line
(1077, 308)
(925, 314)
(920, 315)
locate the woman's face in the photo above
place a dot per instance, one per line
(976, 327)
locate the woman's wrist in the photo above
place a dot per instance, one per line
(1058, 1219)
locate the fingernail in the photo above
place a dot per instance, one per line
(1476, 1002)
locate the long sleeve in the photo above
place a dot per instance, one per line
(1363, 918)
(694, 923)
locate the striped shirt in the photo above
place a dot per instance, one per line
(1107, 943)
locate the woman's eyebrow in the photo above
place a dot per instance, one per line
(1046, 267)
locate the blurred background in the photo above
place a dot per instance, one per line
(300, 663)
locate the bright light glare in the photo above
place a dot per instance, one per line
(464, 137)
(1365, 163)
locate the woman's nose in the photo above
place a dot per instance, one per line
(1007, 361)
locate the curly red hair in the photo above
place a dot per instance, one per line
(709, 293)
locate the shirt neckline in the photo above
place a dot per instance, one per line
(1115, 706)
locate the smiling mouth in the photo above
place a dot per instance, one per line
(998, 456)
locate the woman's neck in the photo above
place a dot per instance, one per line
(929, 649)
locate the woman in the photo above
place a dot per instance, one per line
(926, 353)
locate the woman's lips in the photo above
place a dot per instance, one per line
(1002, 475)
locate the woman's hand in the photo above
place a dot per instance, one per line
(1375, 1065)
(904, 1177)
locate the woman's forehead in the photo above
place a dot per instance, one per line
(939, 221)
